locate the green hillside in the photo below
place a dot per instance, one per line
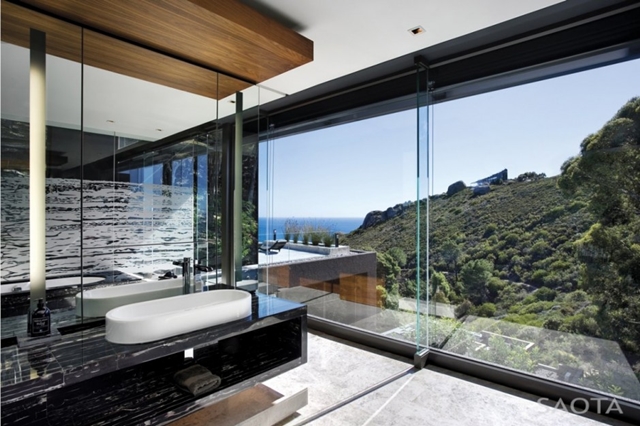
(489, 252)
(521, 227)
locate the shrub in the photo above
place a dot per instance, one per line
(490, 230)
(291, 228)
(578, 296)
(381, 294)
(440, 297)
(327, 240)
(552, 324)
(495, 286)
(540, 250)
(553, 279)
(553, 214)
(535, 308)
(503, 258)
(399, 255)
(463, 309)
(511, 239)
(305, 238)
(545, 294)
(316, 238)
(538, 277)
(576, 206)
(560, 265)
(408, 289)
(487, 310)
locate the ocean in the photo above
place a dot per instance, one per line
(334, 224)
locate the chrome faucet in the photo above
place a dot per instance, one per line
(186, 274)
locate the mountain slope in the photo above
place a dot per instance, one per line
(521, 227)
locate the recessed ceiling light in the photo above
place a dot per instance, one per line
(158, 130)
(110, 121)
(417, 30)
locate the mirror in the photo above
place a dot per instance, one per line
(133, 167)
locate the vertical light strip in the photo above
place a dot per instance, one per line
(226, 210)
(237, 192)
(37, 165)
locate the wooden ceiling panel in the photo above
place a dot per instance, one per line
(65, 40)
(223, 35)
(107, 53)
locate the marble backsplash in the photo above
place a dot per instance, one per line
(129, 227)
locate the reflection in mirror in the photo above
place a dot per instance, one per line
(125, 198)
(62, 265)
(144, 190)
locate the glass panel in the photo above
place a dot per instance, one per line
(344, 184)
(422, 299)
(342, 199)
(535, 229)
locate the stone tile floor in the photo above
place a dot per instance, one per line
(336, 370)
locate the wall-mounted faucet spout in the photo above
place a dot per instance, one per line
(186, 274)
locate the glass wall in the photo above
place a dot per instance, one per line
(516, 242)
(534, 229)
(342, 199)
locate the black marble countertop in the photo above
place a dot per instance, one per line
(85, 354)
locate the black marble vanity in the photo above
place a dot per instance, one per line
(82, 379)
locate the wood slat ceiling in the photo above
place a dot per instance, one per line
(65, 40)
(223, 35)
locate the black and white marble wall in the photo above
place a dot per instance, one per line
(128, 227)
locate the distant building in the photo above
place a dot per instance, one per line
(500, 176)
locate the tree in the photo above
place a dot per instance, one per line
(475, 276)
(399, 255)
(451, 252)
(388, 270)
(607, 170)
(439, 282)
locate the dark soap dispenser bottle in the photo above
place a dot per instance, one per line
(41, 320)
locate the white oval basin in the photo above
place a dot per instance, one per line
(158, 319)
(97, 302)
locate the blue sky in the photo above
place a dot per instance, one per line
(349, 170)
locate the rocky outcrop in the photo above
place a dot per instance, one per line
(371, 219)
(481, 190)
(377, 216)
(454, 188)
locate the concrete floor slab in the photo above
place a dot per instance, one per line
(436, 397)
(338, 370)
(334, 372)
